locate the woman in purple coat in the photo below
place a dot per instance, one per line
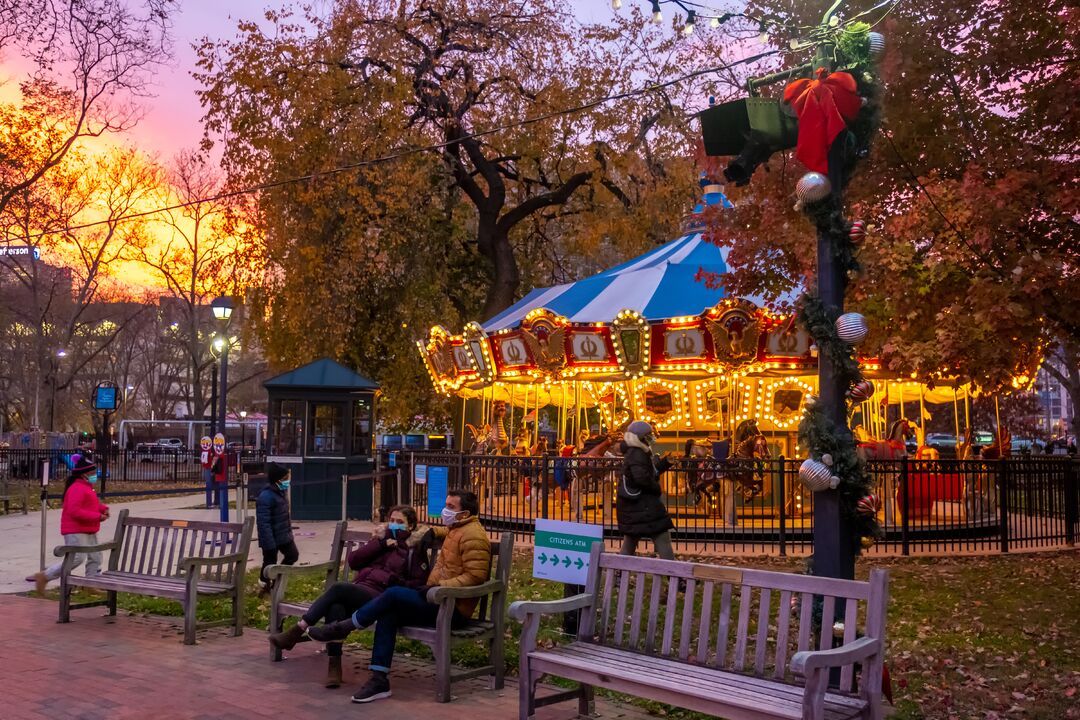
(398, 553)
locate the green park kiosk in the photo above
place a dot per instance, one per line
(321, 421)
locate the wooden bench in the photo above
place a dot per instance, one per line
(175, 559)
(15, 490)
(661, 629)
(487, 625)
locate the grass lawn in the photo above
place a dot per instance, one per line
(993, 637)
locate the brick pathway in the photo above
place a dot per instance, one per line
(98, 668)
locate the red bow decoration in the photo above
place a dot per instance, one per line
(824, 106)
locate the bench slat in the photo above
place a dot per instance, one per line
(669, 614)
(605, 610)
(723, 630)
(743, 629)
(783, 626)
(828, 617)
(806, 621)
(850, 626)
(635, 616)
(703, 625)
(620, 607)
(654, 612)
(687, 619)
(762, 641)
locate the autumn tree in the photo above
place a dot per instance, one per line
(971, 194)
(523, 180)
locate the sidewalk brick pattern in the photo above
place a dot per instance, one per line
(99, 668)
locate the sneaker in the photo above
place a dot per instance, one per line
(376, 688)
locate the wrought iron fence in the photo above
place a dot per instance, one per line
(760, 506)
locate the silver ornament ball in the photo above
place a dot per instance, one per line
(852, 328)
(812, 187)
(877, 45)
(815, 475)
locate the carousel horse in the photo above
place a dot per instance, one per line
(924, 451)
(705, 483)
(749, 443)
(1000, 447)
(893, 447)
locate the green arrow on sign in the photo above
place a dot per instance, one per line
(579, 564)
(566, 561)
(543, 558)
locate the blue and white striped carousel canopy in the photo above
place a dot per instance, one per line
(660, 284)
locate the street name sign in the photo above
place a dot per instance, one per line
(561, 550)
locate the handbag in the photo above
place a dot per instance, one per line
(624, 490)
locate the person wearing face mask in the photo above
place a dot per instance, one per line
(80, 520)
(641, 512)
(463, 561)
(274, 522)
(397, 555)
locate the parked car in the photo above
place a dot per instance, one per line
(172, 443)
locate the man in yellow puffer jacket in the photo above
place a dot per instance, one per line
(463, 561)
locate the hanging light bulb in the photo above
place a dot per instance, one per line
(763, 33)
(616, 4)
(714, 23)
(657, 15)
(688, 28)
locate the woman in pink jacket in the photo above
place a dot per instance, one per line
(80, 520)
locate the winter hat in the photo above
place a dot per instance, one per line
(82, 466)
(640, 428)
(275, 473)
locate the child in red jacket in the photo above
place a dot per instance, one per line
(79, 522)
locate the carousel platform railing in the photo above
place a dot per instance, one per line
(759, 506)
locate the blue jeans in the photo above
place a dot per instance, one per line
(223, 501)
(211, 490)
(397, 606)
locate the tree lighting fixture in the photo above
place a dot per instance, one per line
(691, 18)
(657, 14)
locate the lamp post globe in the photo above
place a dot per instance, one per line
(222, 307)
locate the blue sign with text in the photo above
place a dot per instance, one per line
(438, 484)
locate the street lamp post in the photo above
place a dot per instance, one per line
(222, 308)
(243, 430)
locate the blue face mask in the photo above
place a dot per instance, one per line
(92, 479)
(397, 527)
(285, 484)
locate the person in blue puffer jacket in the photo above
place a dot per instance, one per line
(274, 522)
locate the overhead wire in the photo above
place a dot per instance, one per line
(405, 152)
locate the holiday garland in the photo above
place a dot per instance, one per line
(833, 460)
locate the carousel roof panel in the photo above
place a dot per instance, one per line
(660, 284)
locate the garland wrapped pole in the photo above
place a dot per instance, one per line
(835, 101)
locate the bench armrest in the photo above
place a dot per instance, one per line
(62, 550)
(194, 562)
(520, 609)
(276, 571)
(437, 594)
(810, 660)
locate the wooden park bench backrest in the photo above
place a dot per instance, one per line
(154, 546)
(741, 620)
(345, 541)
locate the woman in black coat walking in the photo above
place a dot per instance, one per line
(274, 522)
(641, 512)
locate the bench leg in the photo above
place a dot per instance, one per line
(586, 706)
(238, 612)
(526, 690)
(276, 624)
(111, 601)
(498, 660)
(190, 603)
(65, 600)
(442, 673)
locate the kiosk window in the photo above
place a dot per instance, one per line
(327, 431)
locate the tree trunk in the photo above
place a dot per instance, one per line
(494, 245)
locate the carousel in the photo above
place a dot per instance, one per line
(718, 377)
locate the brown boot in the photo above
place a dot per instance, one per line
(331, 632)
(287, 640)
(333, 672)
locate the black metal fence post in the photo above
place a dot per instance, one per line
(1072, 502)
(1003, 502)
(783, 507)
(905, 507)
(542, 476)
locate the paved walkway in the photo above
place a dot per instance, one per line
(20, 535)
(135, 667)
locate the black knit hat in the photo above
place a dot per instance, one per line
(275, 473)
(82, 466)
